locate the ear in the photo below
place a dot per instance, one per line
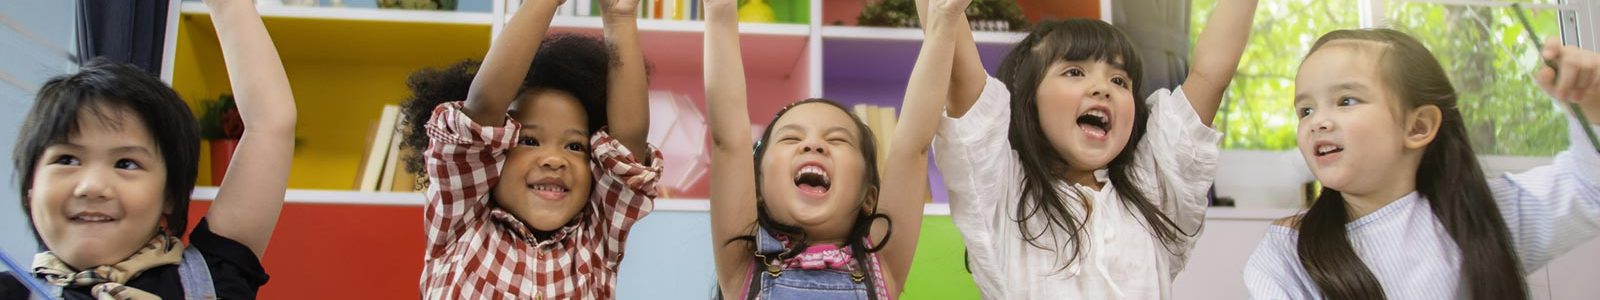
(1422, 124)
(870, 203)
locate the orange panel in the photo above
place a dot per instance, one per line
(324, 251)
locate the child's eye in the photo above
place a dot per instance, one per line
(789, 139)
(1348, 101)
(1121, 82)
(1073, 72)
(1303, 112)
(527, 141)
(128, 164)
(67, 160)
(577, 147)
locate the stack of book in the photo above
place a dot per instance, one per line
(383, 168)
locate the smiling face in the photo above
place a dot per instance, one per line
(1351, 129)
(813, 171)
(547, 180)
(98, 197)
(1086, 110)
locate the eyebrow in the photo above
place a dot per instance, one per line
(116, 151)
(1347, 86)
(567, 132)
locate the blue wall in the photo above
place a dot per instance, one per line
(38, 39)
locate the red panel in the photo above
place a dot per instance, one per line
(322, 251)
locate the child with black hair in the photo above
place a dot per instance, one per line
(108, 158)
(534, 182)
(798, 217)
(1405, 210)
(1064, 184)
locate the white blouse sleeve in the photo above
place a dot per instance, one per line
(982, 175)
(1177, 162)
(1551, 209)
(1274, 270)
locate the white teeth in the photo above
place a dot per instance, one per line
(1097, 113)
(1325, 149)
(92, 218)
(548, 188)
(812, 170)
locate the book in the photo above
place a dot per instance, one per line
(585, 7)
(391, 164)
(655, 8)
(383, 136)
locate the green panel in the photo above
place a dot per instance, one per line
(939, 269)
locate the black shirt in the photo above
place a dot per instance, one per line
(235, 272)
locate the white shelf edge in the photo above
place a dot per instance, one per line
(359, 14)
(912, 34)
(591, 22)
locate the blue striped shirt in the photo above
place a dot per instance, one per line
(1548, 210)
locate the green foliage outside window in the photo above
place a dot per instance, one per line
(1482, 48)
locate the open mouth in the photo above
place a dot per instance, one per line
(812, 180)
(550, 189)
(1328, 149)
(1096, 122)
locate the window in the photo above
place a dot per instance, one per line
(1480, 44)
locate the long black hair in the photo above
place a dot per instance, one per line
(1449, 177)
(574, 63)
(1042, 166)
(102, 90)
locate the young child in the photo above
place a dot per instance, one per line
(797, 218)
(534, 182)
(1405, 210)
(1063, 184)
(108, 158)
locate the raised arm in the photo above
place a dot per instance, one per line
(967, 76)
(905, 184)
(628, 108)
(1216, 55)
(504, 67)
(247, 205)
(732, 167)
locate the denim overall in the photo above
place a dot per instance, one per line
(195, 276)
(771, 281)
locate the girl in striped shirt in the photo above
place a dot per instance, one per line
(1405, 211)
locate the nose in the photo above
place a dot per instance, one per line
(93, 185)
(553, 163)
(1100, 89)
(813, 146)
(1321, 124)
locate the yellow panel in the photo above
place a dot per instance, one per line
(342, 72)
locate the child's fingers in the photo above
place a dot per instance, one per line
(1552, 49)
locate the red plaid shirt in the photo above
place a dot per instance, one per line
(478, 251)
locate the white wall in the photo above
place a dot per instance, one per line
(38, 38)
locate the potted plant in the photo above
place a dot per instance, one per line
(221, 126)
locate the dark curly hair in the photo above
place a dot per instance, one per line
(574, 63)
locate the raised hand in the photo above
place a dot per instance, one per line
(1574, 77)
(619, 8)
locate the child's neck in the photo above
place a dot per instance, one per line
(1362, 204)
(1084, 178)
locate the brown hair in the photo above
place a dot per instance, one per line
(1449, 177)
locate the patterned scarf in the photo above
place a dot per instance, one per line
(108, 281)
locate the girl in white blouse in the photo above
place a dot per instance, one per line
(1405, 211)
(1063, 183)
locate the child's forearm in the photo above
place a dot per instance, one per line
(1216, 55)
(724, 78)
(628, 110)
(247, 205)
(504, 67)
(967, 76)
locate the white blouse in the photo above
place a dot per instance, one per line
(1548, 210)
(1121, 259)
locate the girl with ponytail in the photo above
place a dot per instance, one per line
(1406, 211)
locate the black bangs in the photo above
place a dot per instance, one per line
(105, 91)
(1088, 40)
